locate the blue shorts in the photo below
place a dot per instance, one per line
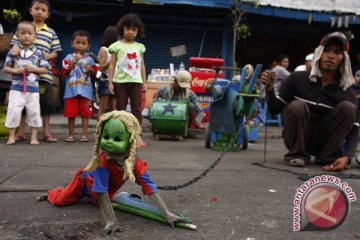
(103, 88)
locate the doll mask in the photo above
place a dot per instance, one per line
(115, 137)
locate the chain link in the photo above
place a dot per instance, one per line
(204, 173)
(195, 179)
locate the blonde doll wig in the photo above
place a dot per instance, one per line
(134, 128)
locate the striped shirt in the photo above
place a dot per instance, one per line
(31, 56)
(47, 41)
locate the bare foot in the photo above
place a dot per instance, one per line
(34, 142)
(10, 142)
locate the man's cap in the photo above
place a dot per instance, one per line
(336, 35)
(309, 57)
(183, 78)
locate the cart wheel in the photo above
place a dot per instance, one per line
(207, 137)
(245, 137)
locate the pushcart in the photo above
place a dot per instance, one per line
(234, 101)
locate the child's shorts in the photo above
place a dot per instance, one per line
(103, 88)
(78, 106)
(19, 101)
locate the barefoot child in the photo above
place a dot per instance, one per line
(24, 92)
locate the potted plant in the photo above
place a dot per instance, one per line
(12, 16)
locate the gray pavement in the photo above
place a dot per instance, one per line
(237, 200)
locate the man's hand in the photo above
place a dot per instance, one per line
(337, 166)
(267, 78)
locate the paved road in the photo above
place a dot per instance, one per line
(237, 200)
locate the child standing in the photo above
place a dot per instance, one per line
(48, 43)
(25, 68)
(107, 101)
(78, 68)
(127, 57)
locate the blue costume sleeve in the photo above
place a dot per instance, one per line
(147, 184)
(143, 178)
(101, 180)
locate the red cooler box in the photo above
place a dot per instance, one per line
(201, 72)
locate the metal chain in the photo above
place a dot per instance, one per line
(203, 174)
(195, 179)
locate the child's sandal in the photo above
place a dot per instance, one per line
(84, 139)
(69, 139)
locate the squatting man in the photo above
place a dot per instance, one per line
(319, 108)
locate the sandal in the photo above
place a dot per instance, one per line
(69, 139)
(84, 139)
(50, 138)
(20, 138)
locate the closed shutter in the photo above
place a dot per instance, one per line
(158, 42)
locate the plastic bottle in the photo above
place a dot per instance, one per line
(181, 66)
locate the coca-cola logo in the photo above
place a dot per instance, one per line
(197, 82)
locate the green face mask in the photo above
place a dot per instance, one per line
(115, 137)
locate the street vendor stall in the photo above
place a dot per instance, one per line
(170, 118)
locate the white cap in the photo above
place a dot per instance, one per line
(309, 57)
(183, 78)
